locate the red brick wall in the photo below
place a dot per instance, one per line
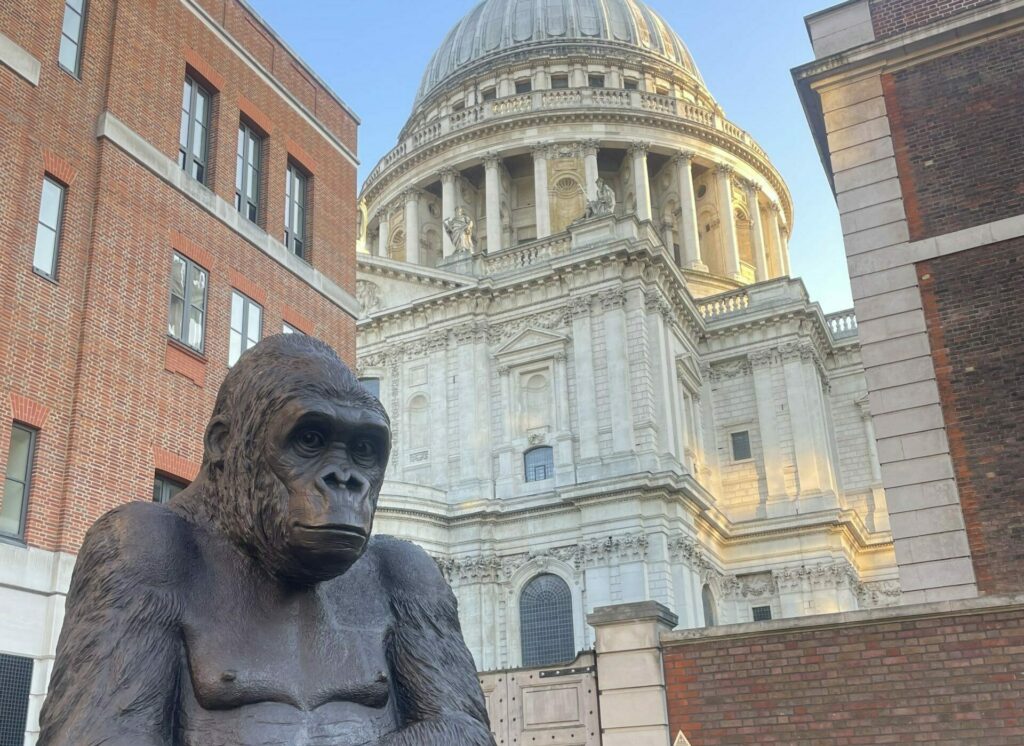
(939, 680)
(892, 17)
(974, 307)
(91, 349)
(956, 123)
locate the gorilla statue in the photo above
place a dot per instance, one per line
(255, 609)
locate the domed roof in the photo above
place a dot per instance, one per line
(495, 27)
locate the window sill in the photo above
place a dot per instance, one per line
(43, 276)
(76, 78)
(14, 541)
(184, 361)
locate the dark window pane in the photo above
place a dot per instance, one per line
(524, 86)
(15, 686)
(559, 81)
(186, 315)
(762, 613)
(164, 488)
(193, 134)
(540, 464)
(741, 446)
(545, 622)
(16, 481)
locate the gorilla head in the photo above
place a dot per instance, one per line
(295, 456)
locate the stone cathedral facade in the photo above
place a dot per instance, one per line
(597, 399)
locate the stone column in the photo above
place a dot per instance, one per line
(689, 231)
(492, 165)
(385, 233)
(775, 232)
(757, 230)
(641, 179)
(540, 190)
(633, 702)
(731, 244)
(448, 177)
(785, 249)
(590, 172)
(761, 364)
(583, 365)
(412, 226)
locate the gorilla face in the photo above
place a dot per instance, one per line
(330, 455)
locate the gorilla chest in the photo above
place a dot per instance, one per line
(304, 651)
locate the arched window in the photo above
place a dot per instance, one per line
(708, 600)
(539, 464)
(545, 622)
(419, 426)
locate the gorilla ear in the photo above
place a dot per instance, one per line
(216, 439)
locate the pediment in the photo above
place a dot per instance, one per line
(531, 340)
(688, 371)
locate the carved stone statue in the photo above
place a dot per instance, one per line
(460, 230)
(256, 609)
(604, 204)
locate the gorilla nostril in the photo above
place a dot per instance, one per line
(355, 484)
(332, 479)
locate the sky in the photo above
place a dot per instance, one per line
(373, 53)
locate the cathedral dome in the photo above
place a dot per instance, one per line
(496, 28)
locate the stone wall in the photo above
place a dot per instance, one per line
(942, 673)
(974, 306)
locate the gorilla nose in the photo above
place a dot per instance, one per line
(338, 478)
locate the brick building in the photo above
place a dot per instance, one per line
(174, 184)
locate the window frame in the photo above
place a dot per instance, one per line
(631, 84)
(377, 379)
(296, 174)
(26, 482)
(82, 15)
(548, 473)
(764, 608)
(489, 94)
(524, 85)
(732, 446)
(287, 328)
(164, 483)
(597, 78)
(248, 134)
(190, 266)
(560, 77)
(243, 333)
(58, 229)
(569, 630)
(186, 159)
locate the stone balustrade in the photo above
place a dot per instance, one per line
(726, 304)
(568, 98)
(843, 324)
(526, 254)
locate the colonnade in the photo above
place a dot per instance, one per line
(769, 237)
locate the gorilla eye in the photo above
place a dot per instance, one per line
(364, 451)
(311, 441)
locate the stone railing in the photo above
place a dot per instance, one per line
(726, 304)
(527, 254)
(566, 98)
(843, 325)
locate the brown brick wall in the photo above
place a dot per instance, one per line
(892, 17)
(945, 680)
(956, 124)
(91, 349)
(974, 307)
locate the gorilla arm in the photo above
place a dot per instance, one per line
(116, 677)
(438, 694)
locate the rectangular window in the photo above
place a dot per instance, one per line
(164, 488)
(187, 316)
(20, 455)
(287, 328)
(15, 687)
(490, 94)
(51, 211)
(761, 613)
(247, 172)
(372, 385)
(559, 81)
(193, 140)
(631, 84)
(246, 326)
(524, 86)
(458, 106)
(295, 211)
(70, 56)
(741, 446)
(595, 81)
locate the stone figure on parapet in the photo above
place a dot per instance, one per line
(460, 231)
(256, 609)
(604, 203)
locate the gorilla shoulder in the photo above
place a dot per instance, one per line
(143, 540)
(405, 567)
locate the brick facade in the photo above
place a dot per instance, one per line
(956, 133)
(90, 349)
(974, 307)
(892, 17)
(929, 678)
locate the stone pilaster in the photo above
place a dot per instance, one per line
(641, 178)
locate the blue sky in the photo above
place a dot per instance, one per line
(373, 52)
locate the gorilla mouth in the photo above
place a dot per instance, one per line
(334, 528)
